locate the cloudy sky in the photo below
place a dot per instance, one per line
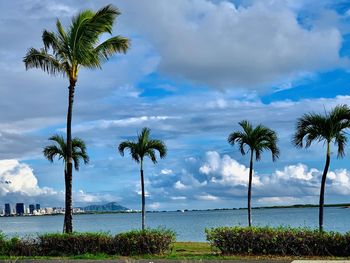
(195, 69)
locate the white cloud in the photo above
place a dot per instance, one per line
(20, 179)
(60, 9)
(155, 205)
(298, 171)
(219, 44)
(300, 180)
(339, 181)
(147, 194)
(207, 197)
(178, 198)
(127, 122)
(83, 197)
(223, 179)
(166, 171)
(180, 186)
(225, 170)
(18, 183)
(281, 200)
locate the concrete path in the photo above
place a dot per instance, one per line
(169, 261)
(143, 261)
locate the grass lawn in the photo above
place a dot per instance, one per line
(186, 251)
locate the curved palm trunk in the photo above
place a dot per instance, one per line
(323, 184)
(68, 224)
(250, 189)
(143, 196)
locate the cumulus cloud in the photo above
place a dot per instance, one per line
(20, 179)
(225, 170)
(19, 184)
(226, 45)
(220, 178)
(180, 186)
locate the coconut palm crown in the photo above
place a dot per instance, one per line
(68, 50)
(329, 128)
(256, 141)
(143, 147)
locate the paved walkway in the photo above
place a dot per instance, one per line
(169, 261)
(144, 261)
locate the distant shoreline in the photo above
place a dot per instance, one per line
(343, 205)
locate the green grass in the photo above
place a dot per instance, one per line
(181, 251)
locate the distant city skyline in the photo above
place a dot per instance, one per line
(20, 209)
(194, 70)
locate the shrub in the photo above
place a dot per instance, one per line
(73, 244)
(278, 241)
(27, 246)
(140, 242)
(150, 241)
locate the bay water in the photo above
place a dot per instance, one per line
(189, 225)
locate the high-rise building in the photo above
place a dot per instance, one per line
(31, 209)
(7, 209)
(37, 207)
(20, 209)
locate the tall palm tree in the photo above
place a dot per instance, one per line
(68, 50)
(143, 147)
(60, 150)
(257, 140)
(328, 128)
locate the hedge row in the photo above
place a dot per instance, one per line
(278, 241)
(150, 241)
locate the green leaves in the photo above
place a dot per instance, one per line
(257, 139)
(136, 242)
(283, 241)
(46, 62)
(65, 51)
(59, 150)
(111, 46)
(84, 33)
(144, 146)
(329, 127)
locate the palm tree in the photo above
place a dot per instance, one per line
(143, 147)
(257, 140)
(60, 150)
(68, 50)
(328, 128)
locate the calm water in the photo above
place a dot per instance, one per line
(189, 226)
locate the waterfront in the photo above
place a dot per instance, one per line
(189, 226)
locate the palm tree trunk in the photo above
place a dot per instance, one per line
(65, 179)
(143, 197)
(323, 184)
(69, 177)
(250, 189)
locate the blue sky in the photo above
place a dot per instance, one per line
(195, 69)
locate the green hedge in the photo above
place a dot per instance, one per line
(143, 242)
(137, 242)
(278, 241)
